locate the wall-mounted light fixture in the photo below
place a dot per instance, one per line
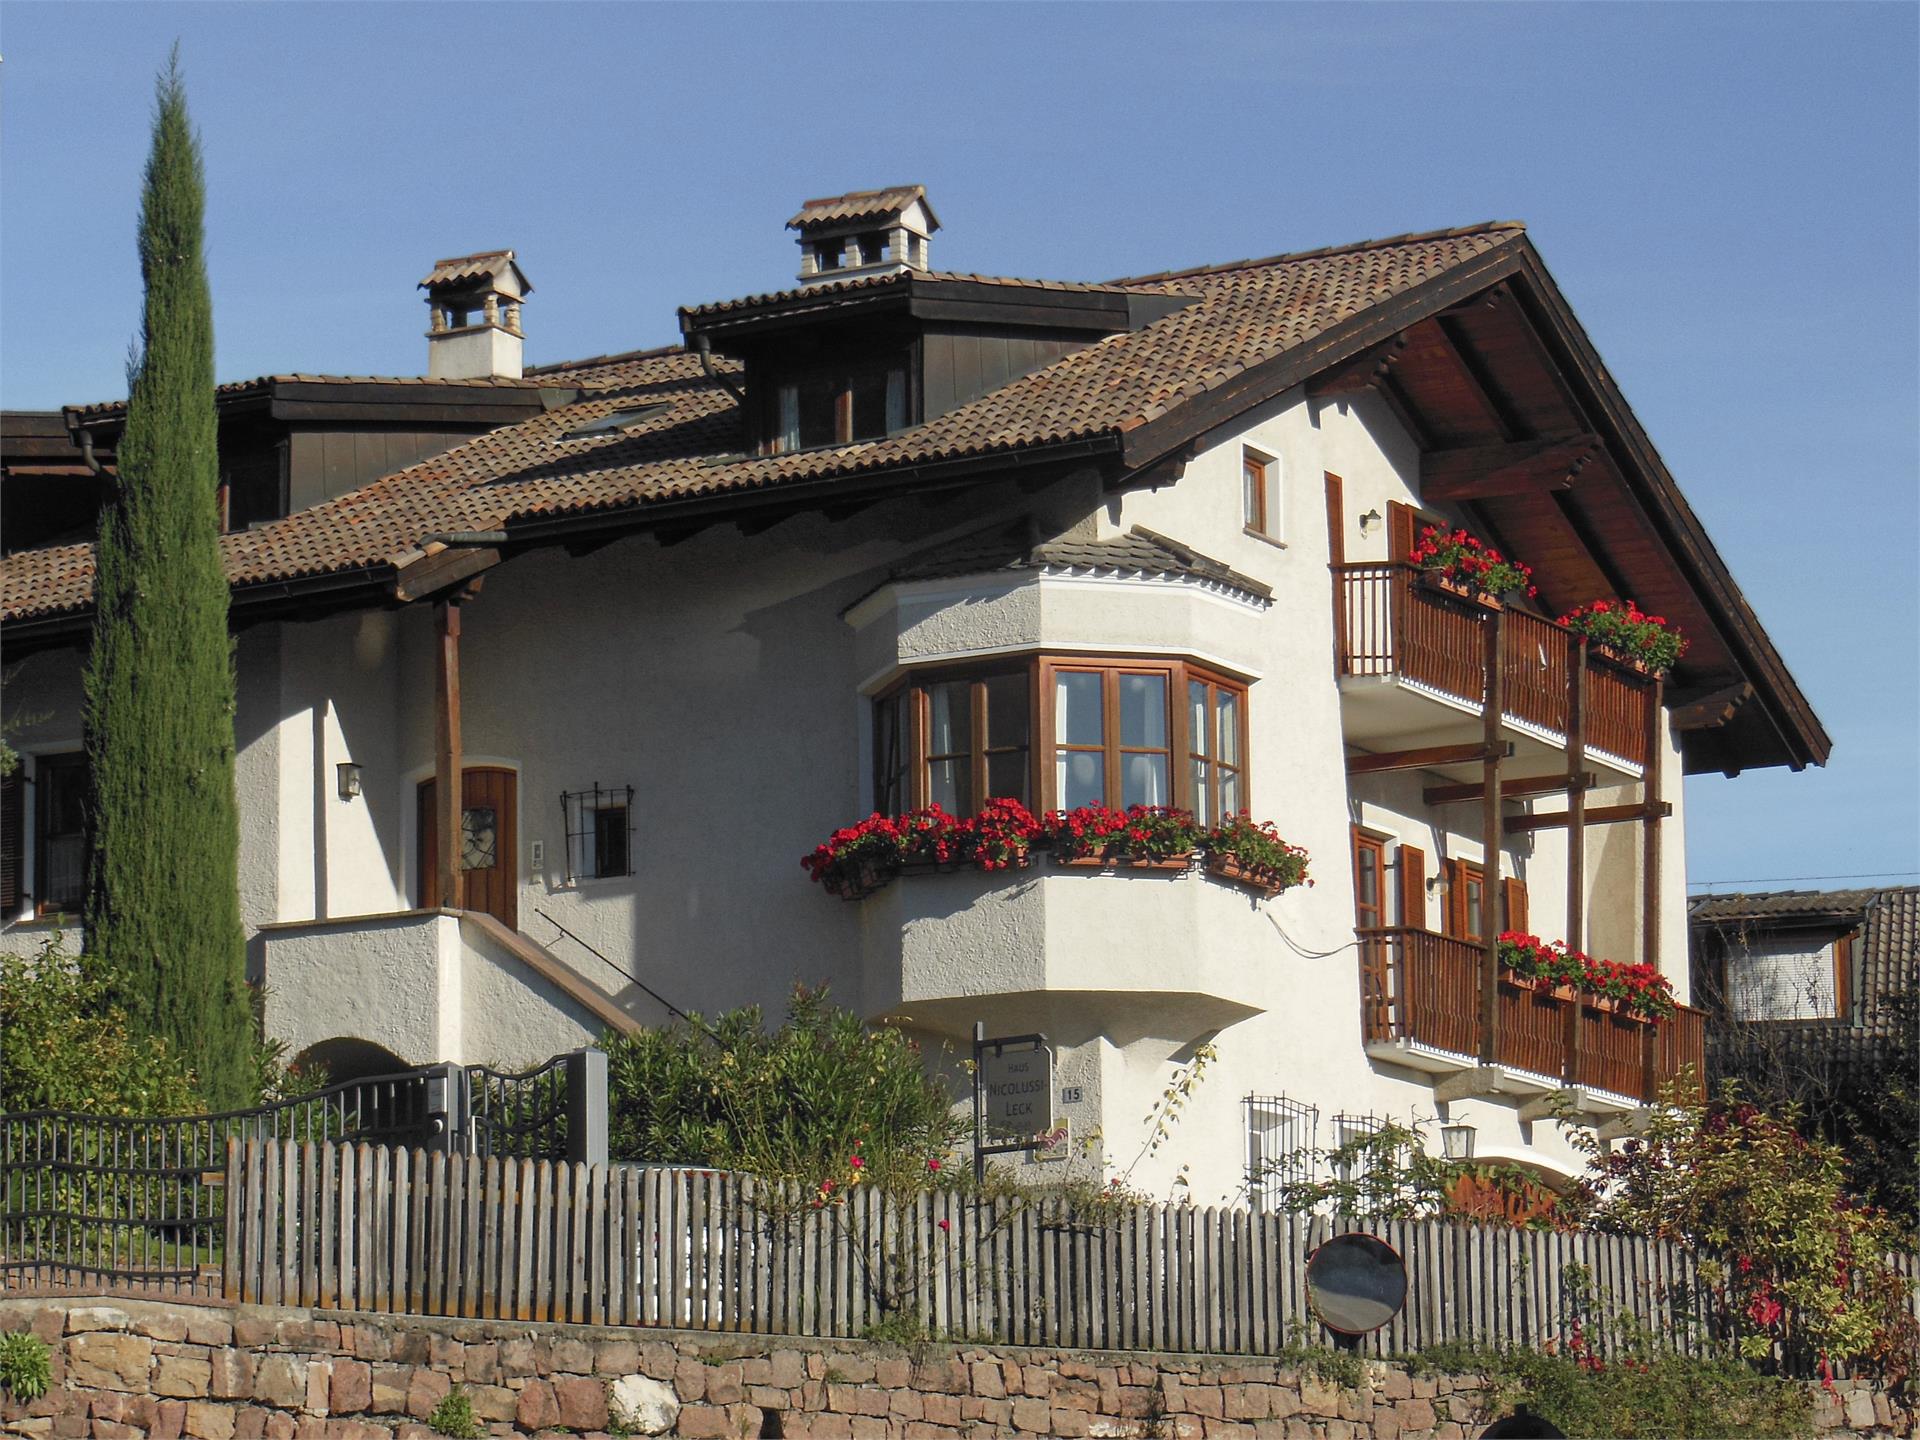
(1367, 522)
(348, 775)
(1437, 883)
(1456, 1141)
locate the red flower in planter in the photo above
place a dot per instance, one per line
(1462, 559)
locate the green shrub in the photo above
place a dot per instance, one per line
(454, 1416)
(26, 1366)
(787, 1104)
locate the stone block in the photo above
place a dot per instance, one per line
(1425, 1387)
(537, 1408)
(249, 1423)
(1203, 1400)
(1319, 1397)
(893, 1372)
(169, 1420)
(1860, 1414)
(724, 1384)
(1076, 1423)
(986, 1380)
(867, 1427)
(1245, 1402)
(390, 1389)
(517, 1359)
(786, 1368)
(252, 1331)
(583, 1402)
(182, 1376)
(905, 1405)
(690, 1380)
(161, 1325)
(204, 1329)
(1386, 1423)
(711, 1421)
(351, 1387)
(1216, 1429)
(769, 1397)
(1396, 1385)
(108, 1360)
(620, 1357)
(1032, 1415)
(941, 1409)
(1416, 1414)
(658, 1360)
(853, 1369)
(572, 1357)
(207, 1421)
(425, 1390)
(84, 1318)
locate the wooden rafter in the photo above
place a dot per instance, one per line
(1598, 815)
(1713, 709)
(1521, 467)
(1509, 789)
(1473, 376)
(1362, 372)
(1425, 758)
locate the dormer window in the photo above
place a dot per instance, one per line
(837, 403)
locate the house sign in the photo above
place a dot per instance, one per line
(1018, 1086)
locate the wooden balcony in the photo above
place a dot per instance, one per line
(1391, 624)
(1421, 995)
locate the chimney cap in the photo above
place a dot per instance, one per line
(482, 265)
(857, 205)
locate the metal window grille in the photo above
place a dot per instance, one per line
(599, 826)
(1280, 1140)
(1346, 1130)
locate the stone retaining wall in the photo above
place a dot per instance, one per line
(125, 1368)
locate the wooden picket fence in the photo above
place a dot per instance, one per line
(360, 1227)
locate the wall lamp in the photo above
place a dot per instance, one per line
(348, 775)
(1456, 1141)
(1367, 522)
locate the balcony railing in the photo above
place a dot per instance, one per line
(1392, 623)
(1425, 988)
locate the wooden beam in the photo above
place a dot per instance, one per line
(442, 570)
(447, 758)
(1520, 467)
(1362, 372)
(1492, 624)
(1425, 758)
(1509, 789)
(1713, 709)
(1403, 411)
(1654, 811)
(1599, 815)
(1474, 377)
(1576, 934)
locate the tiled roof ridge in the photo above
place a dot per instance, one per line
(1763, 904)
(900, 277)
(260, 382)
(501, 253)
(1412, 237)
(618, 357)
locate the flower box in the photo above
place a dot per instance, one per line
(1174, 865)
(1266, 882)
(1433, 580)
(1623, 633)
(1456, 563)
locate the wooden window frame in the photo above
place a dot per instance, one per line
(1462, 919)
(1260, 522)
(1375, 844)
(910, 691)
(844, 368)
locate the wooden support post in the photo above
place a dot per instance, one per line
(1492, 633)
(1576, 829)
(1650, 828)
(447, 764)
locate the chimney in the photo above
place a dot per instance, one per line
(865, 233)
(475, 302)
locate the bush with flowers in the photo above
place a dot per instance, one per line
(1462, 560)
(858, 859)
(1623, 626)
(1638, 988)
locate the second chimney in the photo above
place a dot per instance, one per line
(475, 301)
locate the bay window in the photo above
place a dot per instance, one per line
(1117, 732)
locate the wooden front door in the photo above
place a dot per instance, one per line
(490, 843)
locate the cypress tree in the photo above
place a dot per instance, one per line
(163, 904)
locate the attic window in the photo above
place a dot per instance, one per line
(838, 403)
(617, 420)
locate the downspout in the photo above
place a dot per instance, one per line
(86, 453)
(705, 348)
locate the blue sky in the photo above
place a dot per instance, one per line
(1727, 194)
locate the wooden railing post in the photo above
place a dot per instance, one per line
(1490, 831)
(448, 795)
(1576, 827)
(1650, 828)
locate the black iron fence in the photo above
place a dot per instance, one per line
(139, 1202)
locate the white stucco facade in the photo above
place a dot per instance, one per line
(729, 681)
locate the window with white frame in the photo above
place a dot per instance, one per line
(1782, 977)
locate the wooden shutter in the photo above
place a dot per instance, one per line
(1843, 978)
(1514, 901)
(1336, 520)
(1402, 525)
(1413, 887)
(13, 841)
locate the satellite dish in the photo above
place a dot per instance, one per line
(1356, 1283)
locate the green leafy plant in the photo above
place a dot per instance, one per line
(1638, 988)
(1140, 832)
(1625, 627)
(1257, 849)
(454, 1416)
(1789, 1257)
(1387, 1173)
(1460, 558)
(26, 1365)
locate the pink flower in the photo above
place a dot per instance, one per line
(946, 1224)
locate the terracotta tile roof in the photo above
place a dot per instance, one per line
(1783, 905)
(829, 291)
(481, 265)
(262, 384)
(1012, 548)
(858, 205)
(1241, 316)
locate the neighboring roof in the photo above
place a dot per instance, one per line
(1013, 548)
(823, 295)
(861, 205)
(481, 265)
(1888, 949)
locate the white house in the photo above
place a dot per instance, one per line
(896, 535)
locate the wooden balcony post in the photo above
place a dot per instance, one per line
(1650, 828)
(1576, 827)
(1490, 831)
(447, 765)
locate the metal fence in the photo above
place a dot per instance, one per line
(138, 1203)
